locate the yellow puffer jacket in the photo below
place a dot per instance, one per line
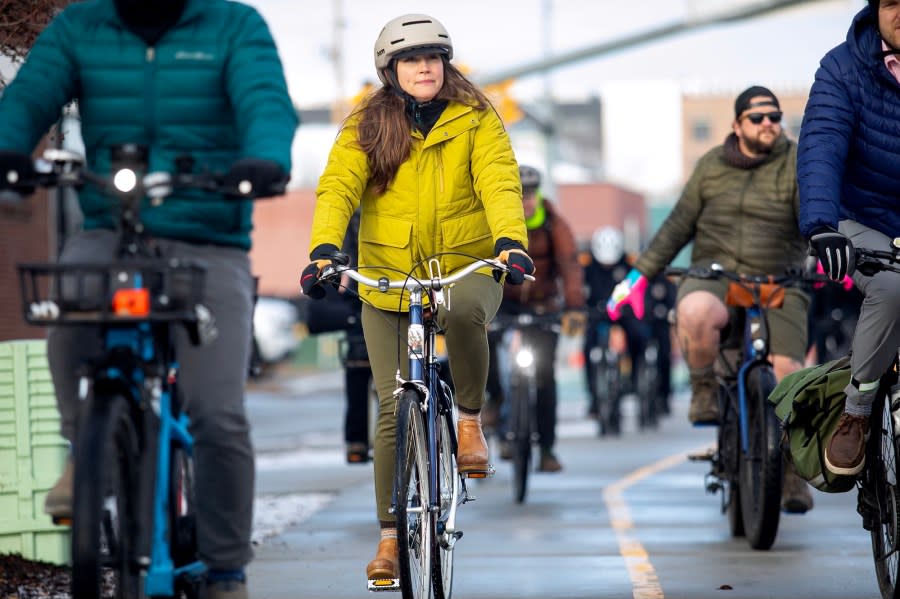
(458, 191)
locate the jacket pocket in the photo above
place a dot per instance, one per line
(384, 241)
(465, 229)
(384, 230)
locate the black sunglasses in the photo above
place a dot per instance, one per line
(757, 117)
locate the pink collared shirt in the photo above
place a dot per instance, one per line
(891, 62)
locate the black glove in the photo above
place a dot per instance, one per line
(266, 178)
(309, 279)
(513, 254)
(16, 168)
(835, 252)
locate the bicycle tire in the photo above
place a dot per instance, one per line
(648, 386)
(182, 518)
(521, 397)
(761, 466)
(104, 511)
(606, 385)
(449, 481)
(725, 466)
(415, 523)
(884, 468)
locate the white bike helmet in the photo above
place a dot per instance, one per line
(608, 245)
(408, 33)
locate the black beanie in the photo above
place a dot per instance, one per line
(742, 102)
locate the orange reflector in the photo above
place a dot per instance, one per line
(382, 582)
(131, 302)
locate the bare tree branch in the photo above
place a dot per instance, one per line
(21, 21)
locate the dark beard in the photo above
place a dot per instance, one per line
(758, 147)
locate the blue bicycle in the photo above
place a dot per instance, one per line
(133, 520)
(747, 462)
(428, 487)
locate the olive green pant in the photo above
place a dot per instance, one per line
(787, 325)
(473, 303)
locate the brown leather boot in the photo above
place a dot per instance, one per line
(386, 564)
(58, 503)
(472, 454)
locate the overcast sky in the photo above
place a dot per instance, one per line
(639, 88)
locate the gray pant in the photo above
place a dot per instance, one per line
(877, 335)
(211, 379)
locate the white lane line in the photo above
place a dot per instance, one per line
(644, 581)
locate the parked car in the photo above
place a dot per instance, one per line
(274, 337)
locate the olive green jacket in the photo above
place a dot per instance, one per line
(743, 218)
(458, 191)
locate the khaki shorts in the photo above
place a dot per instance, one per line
(787, 325)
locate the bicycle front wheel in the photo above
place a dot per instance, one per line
(104, 517)
(520, 429)
(760, 465)
(882, 464)
(449, 481)
(415, 523)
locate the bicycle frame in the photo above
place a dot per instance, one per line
(425, 380)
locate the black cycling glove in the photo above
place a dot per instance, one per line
(266, 178)
(16, 168)
(513, 254)
(309, 279)
(835, 252)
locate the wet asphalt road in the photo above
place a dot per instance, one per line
(628, 517)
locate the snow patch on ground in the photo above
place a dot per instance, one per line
(273, 514)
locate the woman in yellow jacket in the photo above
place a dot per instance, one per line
(428, 162)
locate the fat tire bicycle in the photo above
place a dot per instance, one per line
(519, 415)
(428, 487)
(878, 484)
(747, 462)
(133, 516)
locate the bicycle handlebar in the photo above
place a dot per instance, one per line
(436, 282)
(869, 262)
(64, 168)
(716, 271)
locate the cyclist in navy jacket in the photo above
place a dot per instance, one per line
(849, 179)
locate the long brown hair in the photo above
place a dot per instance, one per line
(383, 131)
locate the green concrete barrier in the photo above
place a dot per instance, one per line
(32, 454)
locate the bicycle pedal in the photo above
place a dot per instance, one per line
(481, 473)
(706, 456)
(380, 585)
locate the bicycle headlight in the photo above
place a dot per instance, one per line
(524, 358)
(125, 180)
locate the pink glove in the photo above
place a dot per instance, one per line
(846, 282)
(629, 291)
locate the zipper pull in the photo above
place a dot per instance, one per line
(151, 53)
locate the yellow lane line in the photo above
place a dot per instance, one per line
(644, 581)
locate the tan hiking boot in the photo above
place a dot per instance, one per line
(845, 452)
(796, 497)
(704, 399)
(386, 564)
(58, 504)
(472, 453)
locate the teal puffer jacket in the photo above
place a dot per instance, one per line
(212, 87)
